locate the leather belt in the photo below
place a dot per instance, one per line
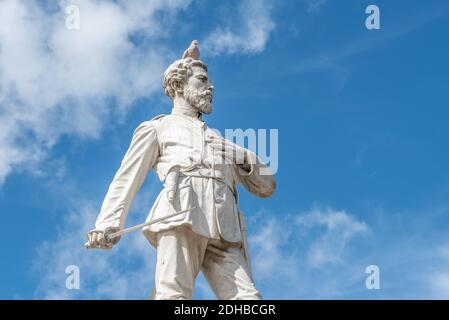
(211, 174)
(205, 173)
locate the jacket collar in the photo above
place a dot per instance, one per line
(189, 114)
(186, 111)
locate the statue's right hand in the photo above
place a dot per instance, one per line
(97, 240)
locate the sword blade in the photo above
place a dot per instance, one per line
(142, 225)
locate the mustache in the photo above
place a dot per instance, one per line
(206, 94)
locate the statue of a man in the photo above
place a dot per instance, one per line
(199, 170)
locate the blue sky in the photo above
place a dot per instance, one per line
(363, 139)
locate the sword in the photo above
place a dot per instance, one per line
(109, 234)
(245, 243)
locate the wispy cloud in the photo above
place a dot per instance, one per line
(315, 5)
(247, 32)
(126, 272)
(439, 277)
(55, 81)
(323, 253)
(290, 253)
(440, 285)
(339, 229)
(268, 242)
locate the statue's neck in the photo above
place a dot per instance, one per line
(181, 107)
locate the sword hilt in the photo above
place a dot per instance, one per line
(107, 235)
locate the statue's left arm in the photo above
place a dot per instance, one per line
(248, 169)
(255, 176)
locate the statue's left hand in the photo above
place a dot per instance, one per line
(230, 151)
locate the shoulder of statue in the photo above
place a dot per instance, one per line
(151, 124)
(154, 121)
(159, 116)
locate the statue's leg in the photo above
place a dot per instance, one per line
(180, 253)
(225, 268)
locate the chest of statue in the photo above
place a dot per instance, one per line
(180, 137)
(181, 142)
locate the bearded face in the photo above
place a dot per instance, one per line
(198, 90)
(202, 101)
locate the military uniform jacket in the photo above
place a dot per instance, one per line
(205, 181)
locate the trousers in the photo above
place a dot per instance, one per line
(182, 254)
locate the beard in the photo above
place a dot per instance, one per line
(202, 101)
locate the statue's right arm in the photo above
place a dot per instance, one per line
(141, 156)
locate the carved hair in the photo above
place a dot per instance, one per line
(177, 73)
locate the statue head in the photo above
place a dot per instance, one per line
(188, 79)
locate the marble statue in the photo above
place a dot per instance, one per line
(197, 224)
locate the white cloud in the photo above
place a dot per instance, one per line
(438, 279)
(55, 81)
(412, 265)
(125, 272)
(439, 283)
(247, 32)
(290, 261)
(267, 249)
(339, 229)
